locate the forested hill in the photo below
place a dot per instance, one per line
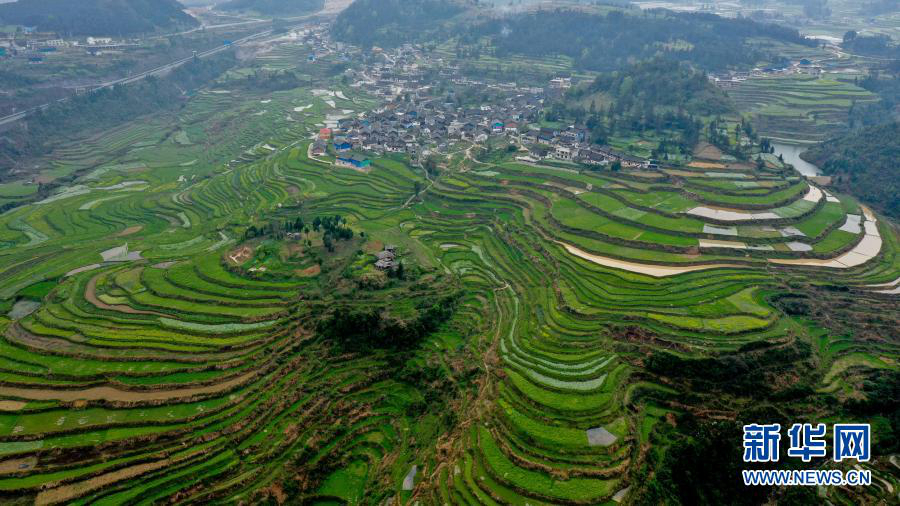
(864, 164)
(274, 7)
(659, 95)
(395, 22)
(664, 84)
(606, 39)
(97, 17)
(609, 41)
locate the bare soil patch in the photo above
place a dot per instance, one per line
(68, 492)
(130, 230)
(240, 255)
(117, 395)
(706, 165)
(309, 271)
(8, 405)
(373, 246)
(17, 465)
(707, 151)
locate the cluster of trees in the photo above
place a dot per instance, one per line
(356, 329)
(106, 108)
(663, 83)
(885, 84)
(273, 7)
(97, 17)
(732, 141)
(864, 163)
(660, 95)
(612, 41)
(870, 45)
(333, 228)
(393, 22)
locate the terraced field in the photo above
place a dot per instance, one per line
(798, 107)
(149, 367)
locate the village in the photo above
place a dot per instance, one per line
(421, 117)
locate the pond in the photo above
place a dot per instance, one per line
(23, 308)
(791, 154)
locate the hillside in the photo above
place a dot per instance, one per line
(663, 83)
(97, 17)
(210, 307)
(612, 40)
(394, 22)
(274, 7)
(602, 39)
(661, 96)
(864, 164)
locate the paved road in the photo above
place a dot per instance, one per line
(332, 7)
(143, 75)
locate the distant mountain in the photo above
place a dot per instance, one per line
(394, 22)
(864, 164)
(274, 7)
(614, 39)
(97, 17)
(596, 37)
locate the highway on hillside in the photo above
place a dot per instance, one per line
(143, 75)
(331, 7)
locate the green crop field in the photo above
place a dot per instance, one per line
(796, 107)
(193, 367)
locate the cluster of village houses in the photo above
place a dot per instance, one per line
(420, 118)
(731, 79)
(34, 45)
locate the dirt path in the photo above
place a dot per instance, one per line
(657, 271)
(116, 395)
(90, 294)
(311, 157)
(68, 492)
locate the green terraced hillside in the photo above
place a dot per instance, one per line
(797, 107)
(146, 357)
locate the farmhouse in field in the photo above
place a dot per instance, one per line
(354, 161)
(386, 260)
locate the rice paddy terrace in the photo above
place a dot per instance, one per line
(139, 363)
(799, 108)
